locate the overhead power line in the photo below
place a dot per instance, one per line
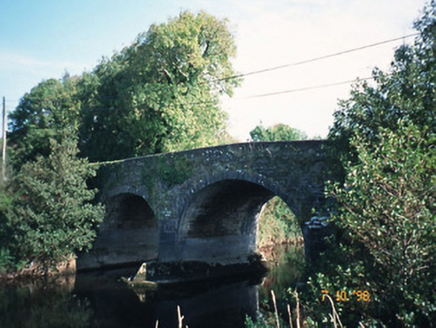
(322, 86)
(316, 58)
(308, 88)
(288, 65)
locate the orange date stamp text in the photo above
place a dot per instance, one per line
(344, 296)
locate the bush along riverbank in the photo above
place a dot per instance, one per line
(62, 269)
(382, 273)
(46, 212)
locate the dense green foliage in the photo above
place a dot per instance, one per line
(161, 93)
(47, 108)
(405, 92)
(387, 212)
(386, 137)
(278, 132)
(47, 214)
(277, 223)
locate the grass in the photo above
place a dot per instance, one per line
(299, 320)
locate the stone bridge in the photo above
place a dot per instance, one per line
(201, 206)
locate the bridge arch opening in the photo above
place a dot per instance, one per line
(277, 224)
(129, 211)
(132, 227)
(127, 236)
(222, 219)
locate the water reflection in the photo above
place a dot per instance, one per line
(219, 303)
(101, 300)
(287, 267)
(42, 304)
(288, 263)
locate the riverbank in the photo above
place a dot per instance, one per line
(36, 270)
(95, 299)
(268, 249)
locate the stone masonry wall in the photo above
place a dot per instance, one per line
(175, 184)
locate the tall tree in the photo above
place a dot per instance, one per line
(386, 136)
(162, 92)
(159, 94)
(51, 215)
(387, 212)
(406, 91)
(46, 109)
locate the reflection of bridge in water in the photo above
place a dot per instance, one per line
(206, 304)
(192, 212)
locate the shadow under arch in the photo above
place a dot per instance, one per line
(220, 221)
(127, 236)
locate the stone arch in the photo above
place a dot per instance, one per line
(125, 189)
(197, 184)
(220, 219)
(224, 208)
(128, 235)
(129, 211)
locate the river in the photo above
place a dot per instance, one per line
(98, 300)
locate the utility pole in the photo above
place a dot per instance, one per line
(4, 142)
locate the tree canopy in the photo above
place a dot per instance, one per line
(159, 94)
(405, 92)
(278, 132)
(47, 108)
(386, 137)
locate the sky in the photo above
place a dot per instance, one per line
(44, 39)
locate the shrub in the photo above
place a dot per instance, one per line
(51, 215)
